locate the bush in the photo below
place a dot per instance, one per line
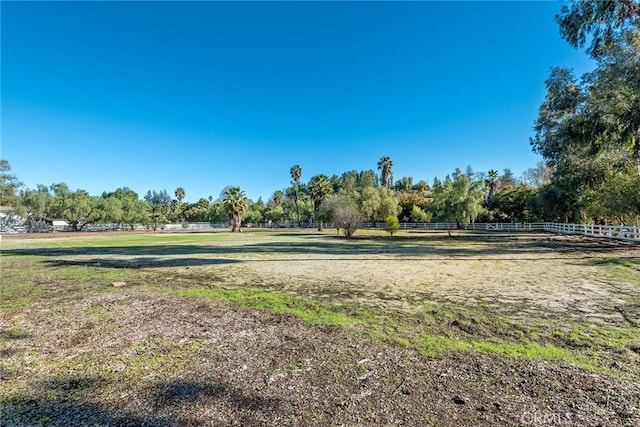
(393, 224)
(343, 212)
(348, 218)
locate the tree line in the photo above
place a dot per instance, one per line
(345, 200)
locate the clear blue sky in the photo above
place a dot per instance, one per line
(156, 95)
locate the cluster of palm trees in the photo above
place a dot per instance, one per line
(319, 189)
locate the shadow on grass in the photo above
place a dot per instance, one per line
(186, 393)
(135, 263)
(72, 402)
(12, 334)
(632, 262)
(465, 247)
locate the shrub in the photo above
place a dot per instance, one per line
(348, 218)
(393, 224)
(343, 212)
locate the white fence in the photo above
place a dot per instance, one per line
(480, 226)
(10, 225)
(621, 232)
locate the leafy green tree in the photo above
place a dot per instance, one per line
(133, 210)
(376, 203)
(349, 181)
(392, 224)
(554, 203)
(366, 179)
(320, 188)
(9, 184)
(197, 212)
(588, 128)
(354, 180)
(235, 203)
(457, 200)
(418, 215)
(275, 215)
(75, 207)
(512, 203)
(385, 165)
(107, 210)
(305, 206)
(407, 200)
(404, 184)
(33, 204)
(218, 212)
(254, 214)
(617, 200)
(159, 207)
(601, 22)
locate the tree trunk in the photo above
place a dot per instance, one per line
(320, 225)
(235, 223)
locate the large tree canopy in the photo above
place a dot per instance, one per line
(458, 199)
(9, 184)
(600, 21)
(588, 128)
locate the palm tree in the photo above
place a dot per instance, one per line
(296, 174)
(180, 194)
(492, 183)
(236, 204)
(385, 165)
(276, 199)
(319, 189)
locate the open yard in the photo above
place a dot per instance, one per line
(291, 328)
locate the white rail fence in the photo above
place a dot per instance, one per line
(10, 225)
(620, 232)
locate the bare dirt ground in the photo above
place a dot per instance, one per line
(548, 272)
(243, 367)
(135, 356)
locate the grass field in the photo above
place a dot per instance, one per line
(293, 328)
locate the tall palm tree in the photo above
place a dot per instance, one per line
(180, 194)
(235, 202)
(320, 188)
(492, 183)
(296, 174)
(385, 165)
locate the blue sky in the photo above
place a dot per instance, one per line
(156, 95)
